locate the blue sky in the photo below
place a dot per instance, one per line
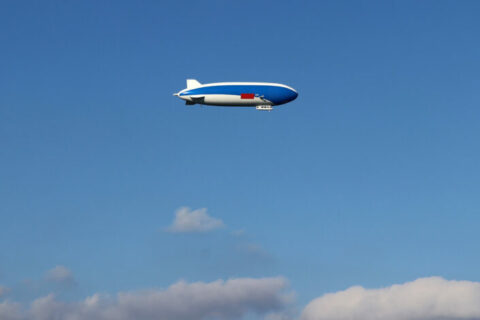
(369, 178)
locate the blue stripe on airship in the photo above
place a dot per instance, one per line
(276, 94)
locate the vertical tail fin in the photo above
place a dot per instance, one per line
(192, 84)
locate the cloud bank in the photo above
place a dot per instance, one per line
(431, 298)
(220, 299)
(425, 298)
(187, 220)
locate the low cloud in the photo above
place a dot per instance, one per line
(423, 299)
(61, 275)
(231, 299)
(255, 251)
(10, 311)
(238, 233)
(3, 291)
(187, 220)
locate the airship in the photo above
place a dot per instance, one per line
(261, 95)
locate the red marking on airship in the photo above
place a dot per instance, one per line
(247, 96)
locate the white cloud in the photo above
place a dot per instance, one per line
(255, 251)
(3, 291)
(231, 299)
(60, 274)
(10, 311)
(424, 298)
(187, 220)
(238, 233)
(282, 315)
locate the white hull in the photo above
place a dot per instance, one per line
(227, 100)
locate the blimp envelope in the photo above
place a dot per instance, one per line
(262, 95)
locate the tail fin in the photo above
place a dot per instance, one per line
(192, 84)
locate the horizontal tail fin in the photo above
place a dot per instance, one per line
(192, 84)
